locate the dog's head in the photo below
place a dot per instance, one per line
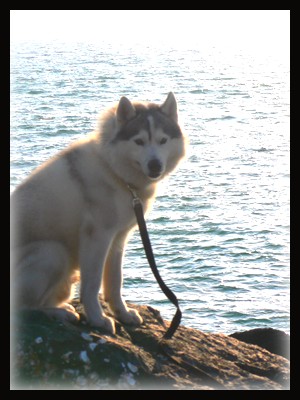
(146, 137)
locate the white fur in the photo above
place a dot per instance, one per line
(74, 213)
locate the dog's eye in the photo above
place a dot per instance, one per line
(139, 142)
(163, 140)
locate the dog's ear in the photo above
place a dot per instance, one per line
(125, 110)
(169, 107)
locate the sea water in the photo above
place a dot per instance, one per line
(220, 224)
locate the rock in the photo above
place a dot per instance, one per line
(275, 341)
(48, 354)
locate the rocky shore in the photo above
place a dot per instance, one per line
(47, 354)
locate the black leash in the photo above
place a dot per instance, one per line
(138, 209)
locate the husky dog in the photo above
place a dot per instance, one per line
(73, 214)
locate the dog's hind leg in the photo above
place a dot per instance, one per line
(42, 279)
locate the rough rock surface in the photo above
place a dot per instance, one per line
(275, 341)
(48, 354)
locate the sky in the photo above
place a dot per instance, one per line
(267, 30)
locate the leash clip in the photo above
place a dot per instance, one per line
(135, 199)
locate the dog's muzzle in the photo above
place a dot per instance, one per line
(155, 168)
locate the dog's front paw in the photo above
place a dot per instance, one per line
(103, 322)
(129, 316)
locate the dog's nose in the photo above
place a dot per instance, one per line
(154, 167)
